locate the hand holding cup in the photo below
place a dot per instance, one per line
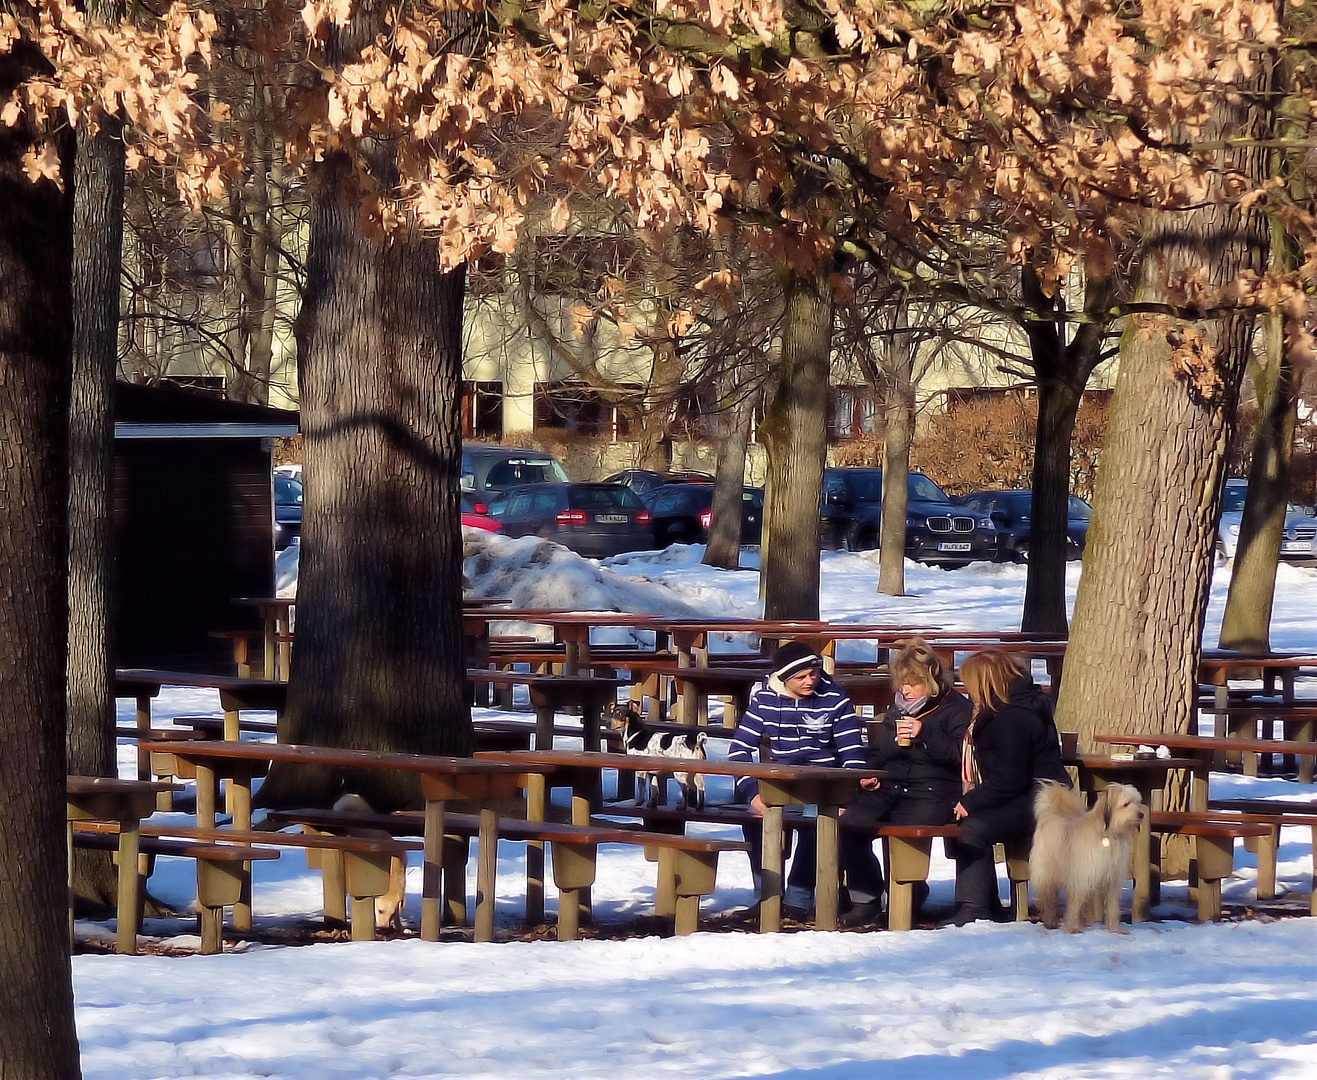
(907, 730)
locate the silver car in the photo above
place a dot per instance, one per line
(1298, 543)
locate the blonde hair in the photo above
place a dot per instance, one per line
(986, 676)
(918, 665)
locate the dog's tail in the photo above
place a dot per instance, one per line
(1057, 800)
(700, 739)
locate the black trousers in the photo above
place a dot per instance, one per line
(864, 871)
(976, 873)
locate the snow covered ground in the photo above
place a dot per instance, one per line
(1170, 999)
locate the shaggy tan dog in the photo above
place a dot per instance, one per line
(1083, 853)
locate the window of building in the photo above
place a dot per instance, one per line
(574, 407)
(852, 412)
(482, 410)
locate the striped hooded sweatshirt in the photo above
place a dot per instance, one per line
(821, 729)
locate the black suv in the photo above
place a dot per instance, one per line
(680, 513)
(1010, 512)
(936, 530)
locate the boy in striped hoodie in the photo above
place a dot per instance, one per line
(807, 721)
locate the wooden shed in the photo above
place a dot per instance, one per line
(193, 523)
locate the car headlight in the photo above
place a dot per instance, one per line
(986, 523)
(1232, 531)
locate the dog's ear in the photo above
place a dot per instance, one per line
(1107, 798)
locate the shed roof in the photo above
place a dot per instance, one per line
(145, 412)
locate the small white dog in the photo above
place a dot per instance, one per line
(1083, 853)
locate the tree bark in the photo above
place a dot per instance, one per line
(1132, 663)
(724, 548)
(898, 433)
(379, 662)
(1246, 622)
(795, 434)
(98, 185)
(37, 1035)
(1062, 372)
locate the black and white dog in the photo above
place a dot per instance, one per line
(644, 741)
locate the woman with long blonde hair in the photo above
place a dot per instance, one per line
(1010, 745)
(917, 745)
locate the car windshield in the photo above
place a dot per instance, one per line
(1079, 509)
(866, 484)
(287, 491)
(525, 470)
(1233, 500)
(603, 497)
(923, 489)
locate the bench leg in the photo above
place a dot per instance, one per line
(687, 918)
(1215, 861)
(1017, 873)
(584, 800)
(907, 863)
(455, 857)
(431, 867)
(219, 884)
(770, 899)
(334, 888)
(240, 806)
(1266, 850)
(536, 789)
(665, 895)
(573, 871)
(363, 918)
(125, 934)
(486, 866)
(695, 874)
(826, 873)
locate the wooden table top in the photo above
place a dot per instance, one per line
(82, 786)
(1118, 763)
(1225, 661)
(579, 759)
(1210, 743)
(130, 678)
(336, 757)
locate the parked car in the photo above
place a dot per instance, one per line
(681, 513)
(483, 522)
(1010, 512)
(1298, 543)
(643, 481)
(591, 519)
(488, 471)
(936, 530)
(287, 510)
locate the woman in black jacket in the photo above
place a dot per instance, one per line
(918, 745)
(1010, 745)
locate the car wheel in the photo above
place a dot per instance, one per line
(1022, 552)
(862, 540)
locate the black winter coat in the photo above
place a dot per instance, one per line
(1015, 746)
(927, 769)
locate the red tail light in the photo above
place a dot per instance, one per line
(571, 517)
(706, 516)
(642, 517)
(481, 508)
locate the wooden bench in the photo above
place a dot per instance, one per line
(366, 862)
(220, 873)
(687, 865)
(1275, 815)
(550, 694)
(1214, 844)
(907, 850)
(1298, 724)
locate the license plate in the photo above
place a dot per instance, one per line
(612, 519)
(953, 547)
(1297, 546)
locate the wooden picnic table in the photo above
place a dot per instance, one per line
(1148, 775)
(829, 789)
(1203, 750)
(1217, 666)
(1240, 720)
(235, 694)
(126, 802)
(443, 780)
(277, 616)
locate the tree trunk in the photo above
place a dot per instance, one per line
(98, 183)
(795, 434)
(1246, 623)
(898, 433)
(1132, 663)
(379, 662)
(724, 548)
(1062, 373)
(37, 1035)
